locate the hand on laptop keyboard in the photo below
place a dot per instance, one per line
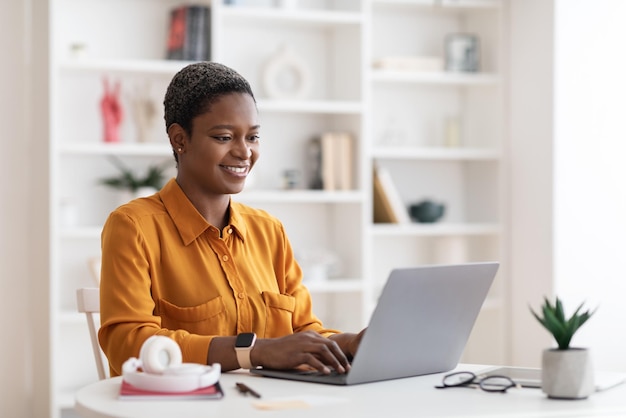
(303, 348)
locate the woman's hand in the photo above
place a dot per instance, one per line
(348, 342)
(303, 348)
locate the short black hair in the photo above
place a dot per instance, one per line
(196, 87)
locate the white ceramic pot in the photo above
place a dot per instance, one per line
(567, 374)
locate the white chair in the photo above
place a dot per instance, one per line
(88, 302)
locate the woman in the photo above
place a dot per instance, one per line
(190, 263)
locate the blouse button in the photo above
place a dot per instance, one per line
(230, 230)
(241, 295)
(225, 257)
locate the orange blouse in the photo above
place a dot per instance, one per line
(167, 271)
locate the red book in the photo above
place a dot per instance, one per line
(177, 33)
(189, 36)
(130, 392)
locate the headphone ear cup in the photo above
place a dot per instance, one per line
(159, 353)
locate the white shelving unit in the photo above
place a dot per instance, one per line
(337, 41)
(408, 112)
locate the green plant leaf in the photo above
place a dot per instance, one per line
(555, 321)
(127, 179)
(558, 311)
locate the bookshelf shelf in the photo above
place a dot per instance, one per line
(292, 16)
(154, 67)
(440, 78)
(311, 106)
(100, 148)
(436, 230)
(440, 5)
(300, 196)
(436, 153)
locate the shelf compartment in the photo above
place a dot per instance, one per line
(325, 60)
(469, 190)
(437, 116)
(322, 229)
(400, 251)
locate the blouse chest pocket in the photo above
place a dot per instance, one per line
(279, 311)
(208, 318)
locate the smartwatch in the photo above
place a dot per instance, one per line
(243, 346)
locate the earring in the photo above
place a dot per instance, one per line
(180, 150)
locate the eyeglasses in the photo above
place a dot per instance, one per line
(494, 383)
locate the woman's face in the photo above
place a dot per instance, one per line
(224, 146)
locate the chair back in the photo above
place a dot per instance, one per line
(88, 302)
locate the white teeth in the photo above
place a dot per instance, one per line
(237, 169)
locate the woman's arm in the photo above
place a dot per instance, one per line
(303, 348)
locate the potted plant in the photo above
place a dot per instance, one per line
(566, 371)
(136, 185)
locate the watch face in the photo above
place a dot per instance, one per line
(245, 340)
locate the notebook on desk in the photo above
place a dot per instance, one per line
(420, 325)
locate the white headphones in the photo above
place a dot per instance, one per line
(160, 359)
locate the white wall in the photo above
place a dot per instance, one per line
(568, 168)
(24, 289)
(590, 171)
(14, 174)
(530, 133)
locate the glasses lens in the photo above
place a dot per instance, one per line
(496, 383)
(458, 379)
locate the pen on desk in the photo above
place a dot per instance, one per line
(243, 388)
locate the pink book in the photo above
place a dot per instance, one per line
(130, 392)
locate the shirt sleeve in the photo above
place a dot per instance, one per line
(127, 308)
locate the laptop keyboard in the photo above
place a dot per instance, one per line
(312, 375)
(333, 372)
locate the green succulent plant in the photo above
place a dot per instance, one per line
(128, 180)
(561, 328)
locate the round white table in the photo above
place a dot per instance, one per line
(409, 397)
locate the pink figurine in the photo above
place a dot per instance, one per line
(111, 111)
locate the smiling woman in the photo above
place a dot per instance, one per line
(190, 263)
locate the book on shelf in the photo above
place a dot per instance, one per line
(189, 37)
(130, 392)
(388, 205)
(335, 169)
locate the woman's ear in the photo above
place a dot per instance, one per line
(177, 136)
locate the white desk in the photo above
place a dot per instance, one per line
(409, 397)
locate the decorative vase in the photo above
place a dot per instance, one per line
(567, 374)
(427, 211)
(286, 76)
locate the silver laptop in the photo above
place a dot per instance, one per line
(421, 324)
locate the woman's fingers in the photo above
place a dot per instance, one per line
(307, 348)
